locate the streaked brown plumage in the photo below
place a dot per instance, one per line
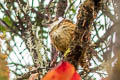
(61, 34)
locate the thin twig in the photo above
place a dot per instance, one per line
(27, 75)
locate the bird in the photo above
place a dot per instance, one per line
(61, 32)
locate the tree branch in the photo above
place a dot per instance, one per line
(61, 6)
(81, 43)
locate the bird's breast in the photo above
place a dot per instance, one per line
(61, 37)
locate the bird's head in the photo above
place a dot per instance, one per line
(53, 23)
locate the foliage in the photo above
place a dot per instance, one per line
(4, 70)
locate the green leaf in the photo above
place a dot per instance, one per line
(73, 10)
(7, 20)
(2, 29)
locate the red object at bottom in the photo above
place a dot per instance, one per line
(64, 71)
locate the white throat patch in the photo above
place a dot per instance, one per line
(55, 23)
